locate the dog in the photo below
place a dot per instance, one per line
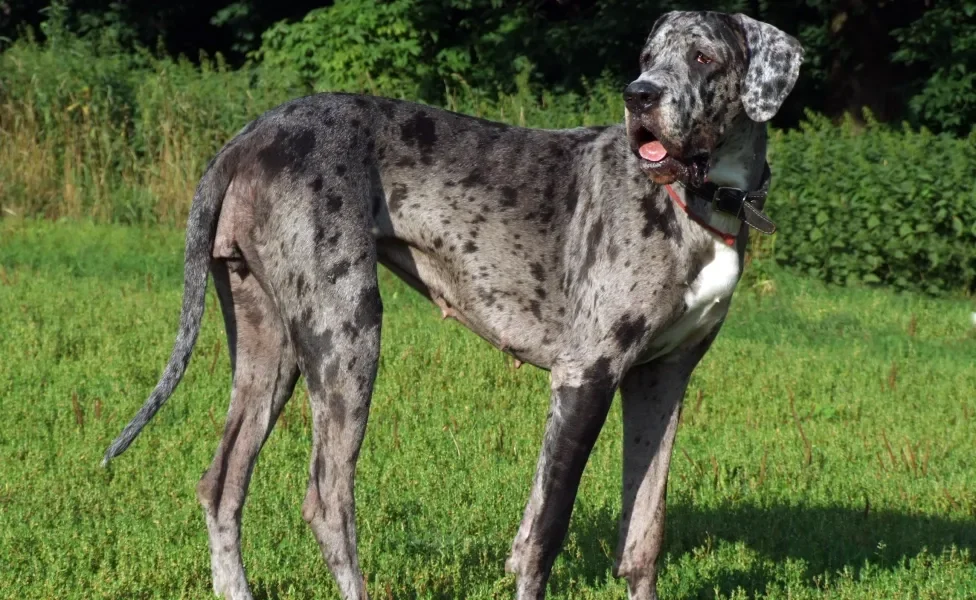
(605, 255)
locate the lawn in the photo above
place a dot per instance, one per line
(827, 449)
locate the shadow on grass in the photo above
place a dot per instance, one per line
(825, 539)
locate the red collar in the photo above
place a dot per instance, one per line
(728, 238)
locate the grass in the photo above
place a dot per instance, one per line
(826, 448)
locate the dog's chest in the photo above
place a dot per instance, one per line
(706, 304)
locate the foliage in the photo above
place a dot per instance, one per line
(353, 45)
(412, 48)
(882, 505)
(943, 40)
(877, 205)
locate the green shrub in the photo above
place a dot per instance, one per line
(942, 44)
(875, 204)
(353, 45)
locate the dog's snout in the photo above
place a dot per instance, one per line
(642, 95)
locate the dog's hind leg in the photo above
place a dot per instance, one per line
(651, 396)
(339, 363)
(326, 279)
(265, 372)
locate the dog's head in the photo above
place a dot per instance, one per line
(701, 72)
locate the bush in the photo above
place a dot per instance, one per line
(875, 204)
(354, 45)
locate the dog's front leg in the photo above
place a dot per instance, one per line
(651, 396)
(578, 407)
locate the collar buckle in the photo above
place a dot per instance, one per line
(729, 200)
(741, 204)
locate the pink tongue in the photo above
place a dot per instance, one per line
(653, 151)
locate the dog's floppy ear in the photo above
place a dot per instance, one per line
(774, 64)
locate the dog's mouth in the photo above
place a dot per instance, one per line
(660, 164)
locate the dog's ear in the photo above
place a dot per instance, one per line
(774, 64)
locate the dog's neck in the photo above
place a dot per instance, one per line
(739, 162)
(740, 156)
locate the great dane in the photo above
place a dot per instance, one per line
(606, 255)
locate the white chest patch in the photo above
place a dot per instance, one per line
(707, 301)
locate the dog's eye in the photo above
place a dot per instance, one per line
(703, 59)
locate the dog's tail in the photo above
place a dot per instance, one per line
(201, 230)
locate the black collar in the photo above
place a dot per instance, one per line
(746, 206)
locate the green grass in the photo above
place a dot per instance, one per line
(881, 505)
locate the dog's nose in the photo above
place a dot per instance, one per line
(642, 95)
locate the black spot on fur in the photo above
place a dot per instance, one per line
(438, 242)
(312, 346)
(470, 247)
(473, 178)
(509, 196)
(593, 239)
(572, 196)
(397, 196)
(334, 202)
(388, 108)
(487, 297)
(316, 184)
(369, 309)
(536, 309)
(660, 216)
(339, 270)
(546, 213)
(538, 272)
(599, 372)
(340, 170)
(550, 192)
(629, 330)
(288, 150)
(422, 131)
